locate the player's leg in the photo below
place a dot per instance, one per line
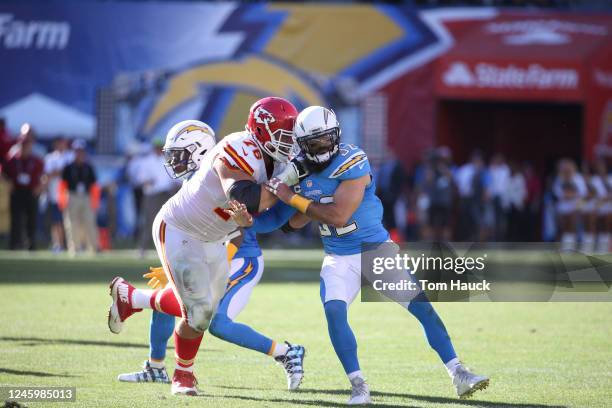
(245, 273)
(464, 381)
(198, 271)
(340, 283)
(154, 369)
(128, 300)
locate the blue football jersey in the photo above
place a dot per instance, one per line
(250, 246)
(365, 225)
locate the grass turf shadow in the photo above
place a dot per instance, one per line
(423, 398)
(33, 373)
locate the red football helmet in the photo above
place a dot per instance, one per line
(271, 122)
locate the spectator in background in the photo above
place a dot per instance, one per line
(474, 213)
(79, 197)
(24, 172)
(588, 211)
(533, 203)
(597, 223)
(5, 141)
(513, 200)
(389, 186)
(157, 189)
(569, 189)
(500, 174)
(134, 173)
(55, 162)
(439, 188)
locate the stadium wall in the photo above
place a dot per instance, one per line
(212, 60)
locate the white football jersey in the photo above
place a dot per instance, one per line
(196, 208)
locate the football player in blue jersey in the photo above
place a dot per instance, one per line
(183, 158)
(338, 192)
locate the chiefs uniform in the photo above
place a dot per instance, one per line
(190, 229)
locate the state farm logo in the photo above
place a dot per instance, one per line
(42, 35)
(486, 75)
(543, 32)
(458, 74)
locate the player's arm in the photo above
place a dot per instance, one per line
(281, 216)
(240, 186)
(347, 198)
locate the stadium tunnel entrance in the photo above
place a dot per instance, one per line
(533, 86)
(539, 133)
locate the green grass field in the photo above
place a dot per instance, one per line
(53, 333)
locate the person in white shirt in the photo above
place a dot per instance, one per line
(513, 201)
(500, 175)
(596, 237)
(55, 161)
(157, 188)
(475, 213)
(570, 189)
(137, 155)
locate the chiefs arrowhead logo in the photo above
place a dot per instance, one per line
(263, 116)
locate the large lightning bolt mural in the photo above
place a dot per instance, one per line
(294, 51)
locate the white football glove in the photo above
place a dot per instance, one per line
(294, 172)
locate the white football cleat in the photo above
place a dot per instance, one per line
(466, 382)
(148, 374)
(293, 363)
(360, 392)
(121, 308)
(184, 383)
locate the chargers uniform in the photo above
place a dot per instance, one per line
(341, 270)
(246, 269)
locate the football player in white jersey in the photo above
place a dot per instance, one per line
(184, 155)
(191, 228)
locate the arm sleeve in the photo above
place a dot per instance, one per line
(273, 219)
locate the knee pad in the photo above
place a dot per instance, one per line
(218, 325)
(199, 316)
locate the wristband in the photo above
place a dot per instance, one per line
(300, 203)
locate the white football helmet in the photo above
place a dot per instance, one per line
(317, 133)
(186, 144)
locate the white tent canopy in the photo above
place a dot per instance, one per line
(48, 117)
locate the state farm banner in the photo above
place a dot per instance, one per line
(598, 115)
(509, 80)
(524, 56)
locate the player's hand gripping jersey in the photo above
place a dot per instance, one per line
(197, 208)
(364, 226)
